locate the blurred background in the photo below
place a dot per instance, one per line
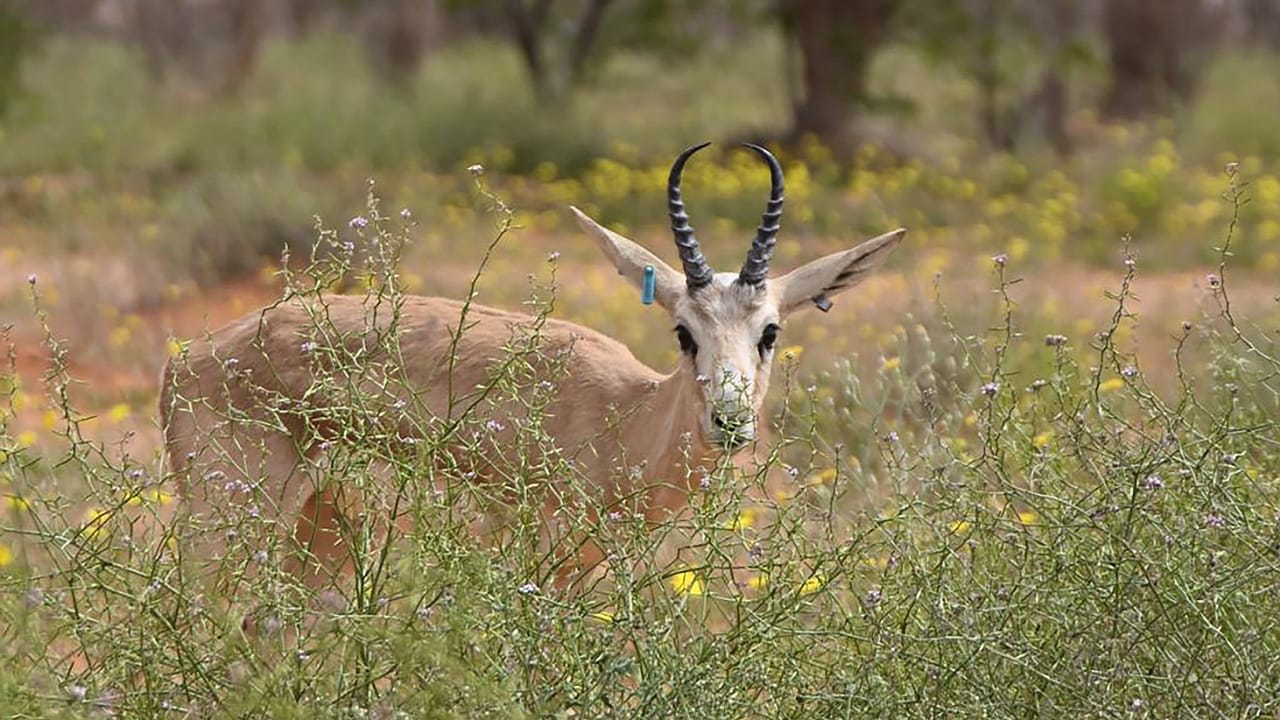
(157, 155)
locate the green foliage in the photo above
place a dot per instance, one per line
(1240, 94)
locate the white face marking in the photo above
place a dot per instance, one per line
(727, 325)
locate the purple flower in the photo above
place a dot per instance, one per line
(1213, 520)
(31, 278)
(1213, 280)
(406, 214)
(358, 222)
(1055, 340)
(1000, 260)
(527, 589)
(1129, 371)
(874, 596)
(1153, 482)
(990, 389)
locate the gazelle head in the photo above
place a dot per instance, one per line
(727, 324)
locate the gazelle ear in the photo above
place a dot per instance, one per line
(817, 281)
(630, 259)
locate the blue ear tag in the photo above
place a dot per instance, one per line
(646, 291)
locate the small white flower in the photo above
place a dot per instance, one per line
(527, 589)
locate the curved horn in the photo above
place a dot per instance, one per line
(756, 269)
(697, 271)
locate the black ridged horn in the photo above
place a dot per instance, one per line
(697, 271)
(756, 269)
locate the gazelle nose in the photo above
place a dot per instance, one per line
(730, 424)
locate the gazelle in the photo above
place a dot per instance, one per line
(225, 435)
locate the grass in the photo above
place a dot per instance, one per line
(986, 523)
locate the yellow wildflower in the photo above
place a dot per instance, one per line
(891, 363)
(1043, 439)
(94, 521)
(6, 556)
(16, 502)
(154, 495)
(1110, 385)
(49, 419)
(813, 584)
(879, 563)
(758, 582)
(27, 438)
(119, 412)
(826, 477)
(175, 347)
(960, 526)
(746, 518)
(603, 616)
(792, 352)
(687, 582)
(119, 336)
(1027, 517)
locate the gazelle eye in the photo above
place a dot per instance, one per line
(768, 338)
(687, 345)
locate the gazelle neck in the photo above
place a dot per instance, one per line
(666, 436)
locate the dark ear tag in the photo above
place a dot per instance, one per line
(648, 286)
(822, 301)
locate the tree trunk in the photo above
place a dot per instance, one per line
(584, 39)
(527, 22)
(248, 31)
(836, 40)
(1056, 22)
(1262, 22)
(1153, 47)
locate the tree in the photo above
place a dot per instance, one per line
(553, 75)
(1017, 54)
(835, 40)
(1155, 51)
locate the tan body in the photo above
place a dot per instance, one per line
(223, 376)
